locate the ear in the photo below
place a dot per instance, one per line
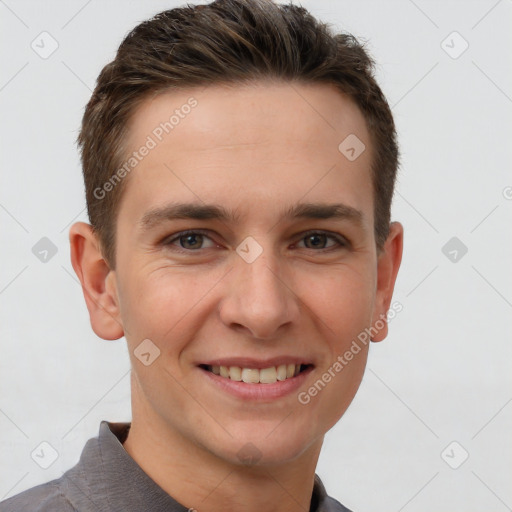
(388, 263)
(98, 282)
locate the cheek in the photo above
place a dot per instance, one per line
(342, 302)
(345, 310)
(165, 304)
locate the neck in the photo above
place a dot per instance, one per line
(200, 480)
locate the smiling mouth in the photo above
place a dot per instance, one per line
(269, 375)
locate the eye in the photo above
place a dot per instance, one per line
(189, 240)
(319, 239)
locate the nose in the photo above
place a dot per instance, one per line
(259, 298)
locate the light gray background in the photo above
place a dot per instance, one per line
(442, 375)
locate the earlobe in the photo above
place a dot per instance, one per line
(98, 282)
(387, 269)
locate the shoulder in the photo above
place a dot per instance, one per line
(322, 502)
(46, 497)
(331, 505)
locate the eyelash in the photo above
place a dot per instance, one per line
(168, 241)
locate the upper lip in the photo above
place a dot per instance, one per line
(249, 362)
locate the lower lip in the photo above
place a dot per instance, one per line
(258, 392)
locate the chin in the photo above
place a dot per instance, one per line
(266, 446)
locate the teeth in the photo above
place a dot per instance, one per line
(235, 373)
(281, 372)
(268, 375)
(250, 375)
(254, 376)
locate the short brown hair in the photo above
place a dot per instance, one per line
(226, 41)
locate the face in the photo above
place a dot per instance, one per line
(245, 240)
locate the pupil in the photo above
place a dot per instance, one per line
(191, 238)
(318, 238)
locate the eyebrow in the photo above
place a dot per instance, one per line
(175, 211)
(324, 211)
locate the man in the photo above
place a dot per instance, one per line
(239, 163)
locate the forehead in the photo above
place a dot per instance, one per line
(238, 112)
(262, 141)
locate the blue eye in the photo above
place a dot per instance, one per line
(189, 240)
(318, 239)
(194, 240)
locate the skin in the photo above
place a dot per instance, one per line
(255, 149)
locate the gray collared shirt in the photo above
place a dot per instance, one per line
(107, 479)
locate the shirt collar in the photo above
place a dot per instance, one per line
(108, 478)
